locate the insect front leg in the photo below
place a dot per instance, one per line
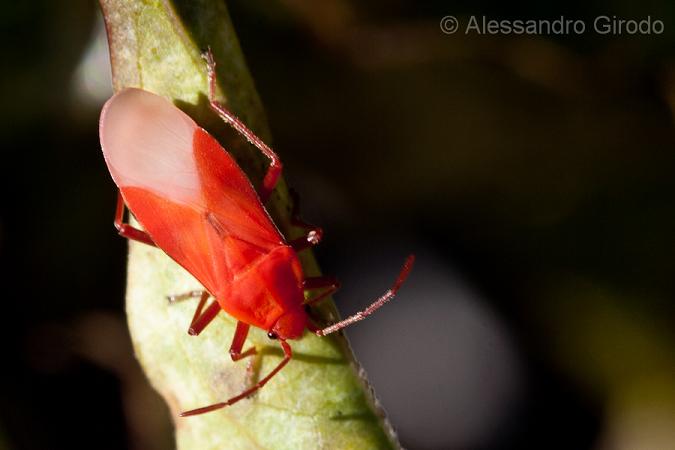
(238, 340)
(274, 170)
(287, 357)
(330, 284)
(236, 354)
(126, 230)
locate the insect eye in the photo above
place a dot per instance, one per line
(272, 335)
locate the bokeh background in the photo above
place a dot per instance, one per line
(532, 176)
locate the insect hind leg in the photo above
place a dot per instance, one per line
(274, 170)
(124, 229)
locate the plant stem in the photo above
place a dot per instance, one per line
(321, 399)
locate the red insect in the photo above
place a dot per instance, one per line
(195, 203)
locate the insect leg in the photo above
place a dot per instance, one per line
(236, 354)
(331, 284)
(240, 335)
(184, 296)
(126, 230)
(407, 267)
(274, 170)
(201, 319)
(287, 357)
(314, 233)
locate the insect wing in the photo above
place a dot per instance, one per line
(184, 188)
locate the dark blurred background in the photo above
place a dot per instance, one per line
(532, 175)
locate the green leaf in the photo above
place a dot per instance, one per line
(320, 399)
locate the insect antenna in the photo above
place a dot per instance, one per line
(407, 267)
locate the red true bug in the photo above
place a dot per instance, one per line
(195, 203)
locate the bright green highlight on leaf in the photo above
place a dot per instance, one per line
(319, 400)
